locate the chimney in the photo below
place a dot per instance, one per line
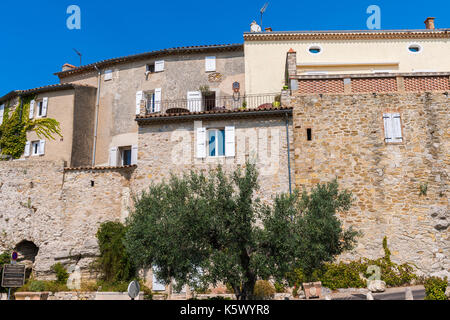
(429, 23)
(67, 67)
(269, 29)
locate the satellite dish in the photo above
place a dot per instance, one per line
(133, 289)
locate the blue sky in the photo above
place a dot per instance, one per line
(36, 41)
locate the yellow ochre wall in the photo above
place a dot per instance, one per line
(265, 61)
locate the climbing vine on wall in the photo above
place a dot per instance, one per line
(13, 131)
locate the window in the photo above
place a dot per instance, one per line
(415, 48)
(309, 134)
(151, 68)
(216, 143)
(125, 156)
(392, 128)
(315, 49)
(210, 64)
(41, 108)
(35, 148)
(209, 101)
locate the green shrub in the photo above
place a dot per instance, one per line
(37, 286)
(148, 293)
(263, 290)
(114, 262)
(435, 288)
(279, 287)
(343, 276)
(104, 286)
(61, 273)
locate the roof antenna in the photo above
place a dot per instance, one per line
(76, 51)
(262, 12)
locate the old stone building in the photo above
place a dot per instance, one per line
(72, 106)
(367, 108)
(164, 80)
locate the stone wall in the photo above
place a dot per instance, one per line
(170, 147)
(58, 210)
(348, 143)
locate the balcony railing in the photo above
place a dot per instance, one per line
(212, 103)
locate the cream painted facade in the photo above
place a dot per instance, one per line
(340, 53)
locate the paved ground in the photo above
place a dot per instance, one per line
(390, 294)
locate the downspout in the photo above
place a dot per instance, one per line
(96, 115)
(289, 153)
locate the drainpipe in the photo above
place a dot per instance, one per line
(96, 115)
(289, 153)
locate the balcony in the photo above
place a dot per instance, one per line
(212, 103)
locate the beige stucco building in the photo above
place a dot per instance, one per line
(73, 107)
(342, 52)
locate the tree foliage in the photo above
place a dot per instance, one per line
(13, 131)
(114, 262)
(201, 230)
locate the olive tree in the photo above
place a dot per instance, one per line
(204, 230)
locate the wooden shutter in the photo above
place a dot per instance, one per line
(210, 64)
(32, 103)
(139, 98)
(108, 75)
(194, 99)
(396, 128)
(134, 154)
(27, 149)
(158, 99)
(41, 147)
(387, 127)
(201, 143)
(2, 111)
(44, 107)
(113, 157)
(159, 66)
(230, 141)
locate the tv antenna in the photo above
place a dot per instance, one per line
(79, 54)
(263, 9)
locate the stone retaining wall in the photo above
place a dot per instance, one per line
(348, 143)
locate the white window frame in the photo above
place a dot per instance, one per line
(33, 144)
(40, 109)
(208, 151)
(414, 44)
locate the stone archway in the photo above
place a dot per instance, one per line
(27, 251)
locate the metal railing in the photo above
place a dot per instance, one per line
(212, 103)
